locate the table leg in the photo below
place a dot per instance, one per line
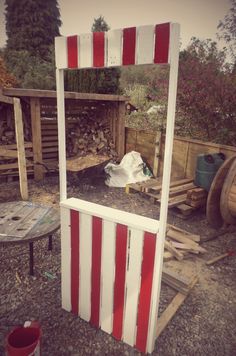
(31, 264)
(50, 243)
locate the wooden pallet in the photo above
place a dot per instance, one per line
(185, 197)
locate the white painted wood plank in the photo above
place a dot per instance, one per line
(85, 266)
(61, 133)
(133, 278)
(107, 275)
(173, 78)
(145, 52)
(85, 51)
(61, 52)
(114, 43)
(110, 214)
(65, 259)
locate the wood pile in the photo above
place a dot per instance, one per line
(196, 197)
(182, 284)
(184, 196)
(90, 136)
(180, 244)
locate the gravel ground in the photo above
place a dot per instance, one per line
(205, 323)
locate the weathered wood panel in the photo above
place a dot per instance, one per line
(185, 151)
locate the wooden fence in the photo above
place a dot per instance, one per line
(151, 145)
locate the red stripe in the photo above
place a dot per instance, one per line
(129, 45)
(74, 220)
(72, 52)
(162, 43)
(96, 270)
(98, 49)
(145, 290)
(119, 284)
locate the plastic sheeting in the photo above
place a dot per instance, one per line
(130, 170)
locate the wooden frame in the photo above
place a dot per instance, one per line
(142, 45)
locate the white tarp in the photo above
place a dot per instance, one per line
(130, 170)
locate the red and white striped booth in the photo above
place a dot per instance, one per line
(112, 260)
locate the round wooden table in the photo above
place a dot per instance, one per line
(26, 222)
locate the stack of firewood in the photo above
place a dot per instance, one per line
(90, 136)
(196, 197)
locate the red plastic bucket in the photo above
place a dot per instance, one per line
(24, 340)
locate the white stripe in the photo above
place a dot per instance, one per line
(85, 266)
(85, 51)
(133, 277)
(114, 43)
(107, 276)
(65, 259)
(61, 52)
(145, 52)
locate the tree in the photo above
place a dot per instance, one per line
(31, 26)
(227, 29)
(206, 92)
(100, 25)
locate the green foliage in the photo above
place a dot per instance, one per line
(205, 98)
(206, 92)
(227, 29)
(138, 95)
(31, 72)
(31, 26)
(100, 25)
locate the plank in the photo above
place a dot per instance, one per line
(169, 313)
(156, 166)
(178, 237)
(185, 209)
(107, 276)
(8, 153)
(132, 285)
(174, 183)
(185, 233)
(65, 259)
(36, 137)
(120, 138)
(80, 163)
(169, 246)
(39, 93)
(20, 149)
(85, 266)
(14, 146)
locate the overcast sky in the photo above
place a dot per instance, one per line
(197, 18)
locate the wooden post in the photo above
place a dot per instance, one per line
(173, 77)
(20, 149)
(156, 161)
(36, 137)
(61, 133)
(120, 128)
